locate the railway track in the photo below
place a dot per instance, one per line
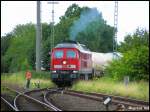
(57, 99)
(40, 94)
(7, 99)
(122, 102)
(29, 101)
(7, 105)
(68, 102)
(77, 101)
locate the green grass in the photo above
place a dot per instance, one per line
(7, 91)
(20, 80)
(136, 90)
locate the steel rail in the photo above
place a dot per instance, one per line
(29, 97)
(45, 99)
(115, 99)
(10, 105)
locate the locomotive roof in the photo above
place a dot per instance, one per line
(80, 47)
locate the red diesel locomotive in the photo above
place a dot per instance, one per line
(70, 61)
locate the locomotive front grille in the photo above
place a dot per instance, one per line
(65, 72)
(57, 66)
(71, 66)
(64, 66)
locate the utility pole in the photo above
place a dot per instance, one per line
(52, 31)
(38, 38)
(115, 29)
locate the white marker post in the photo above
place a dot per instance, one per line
(107, 102)
(126, 80)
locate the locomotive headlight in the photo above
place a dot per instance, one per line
(64, 62)
(75, 71)
(54, 71)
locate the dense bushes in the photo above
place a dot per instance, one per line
(135, 60)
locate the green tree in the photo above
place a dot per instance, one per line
(72, 11)
(46, 45)
(139, 38)
(135, 60)
(23, 40)
(5, 41)
(62, 28)
(97, 36)
(18, 47)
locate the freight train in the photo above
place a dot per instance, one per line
(70, 61)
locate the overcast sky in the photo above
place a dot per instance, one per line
(131, 14)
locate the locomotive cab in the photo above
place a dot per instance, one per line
(70, 61)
